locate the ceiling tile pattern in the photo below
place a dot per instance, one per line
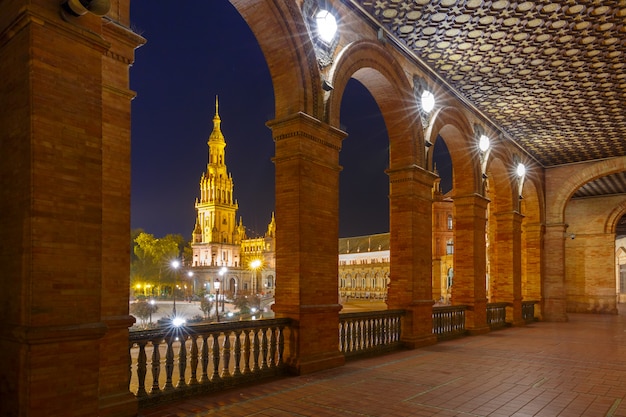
(552, 75)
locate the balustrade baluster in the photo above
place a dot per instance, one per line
(205, 359)
(215, 352)
(281, 345)
(156, 367)
(237, 348)
(264, 349)
(169, 364)
(374, 332)
(387, 330)
(272, 357)
(142, 369)
(182, 363)
(255, 350)
(359, 334)
(246, 352)
(342, 337)
(194, 360)
(226, 355)
(353, 328)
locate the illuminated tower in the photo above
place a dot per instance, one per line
(216, 237)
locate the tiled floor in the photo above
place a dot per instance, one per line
(568, 369)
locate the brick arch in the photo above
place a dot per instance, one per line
(455, 129)
(534, 200)
(616, 214)
(381, 74)
(289, 54)
(503, 184)
(575, 179)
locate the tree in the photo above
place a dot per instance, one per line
(143, 310)
(246, 302)
(152, 257)
(206, 305)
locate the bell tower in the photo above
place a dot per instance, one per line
(215, 237)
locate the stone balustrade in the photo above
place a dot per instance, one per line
(367, 333)
(215, 357)
(449, 321)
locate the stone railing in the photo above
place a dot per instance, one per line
(449, 321)
(216, 356)
(369, 333)
(496, 315)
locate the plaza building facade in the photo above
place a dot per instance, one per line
(364, 261)
(542, 203)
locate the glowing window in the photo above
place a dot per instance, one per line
(521, 170)
(483, 143)
(428, 101)
(326, 25)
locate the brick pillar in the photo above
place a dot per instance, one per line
(115, 399)
(590, 273)
(469, 287)
(64, 340)
(411, 253)
(307, 238)
(554, 302)
(532, 265)
(506, 277)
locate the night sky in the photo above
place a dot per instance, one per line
(195, 51)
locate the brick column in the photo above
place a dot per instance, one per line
(51, 205)
(532, 265)
(64, 297)
(115, 399)
(307, 238)
(469, 287)
(411, 253)
(554, 302)
(506, 277)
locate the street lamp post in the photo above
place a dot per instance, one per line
(193, 283)
(175, 265)
(151, 308)
(222, 272)
(255, 265)
(216, 285)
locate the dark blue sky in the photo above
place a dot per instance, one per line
(195, 51)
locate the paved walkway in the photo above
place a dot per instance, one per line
(568, 369)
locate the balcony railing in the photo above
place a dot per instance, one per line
(222, 355)
(449, 321)
(215, 357)
(496, 315)
(369, 333)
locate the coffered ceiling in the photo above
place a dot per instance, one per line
(550, 75)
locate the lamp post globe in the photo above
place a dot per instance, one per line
(223, 272)
(175, 264)
(216, 285)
